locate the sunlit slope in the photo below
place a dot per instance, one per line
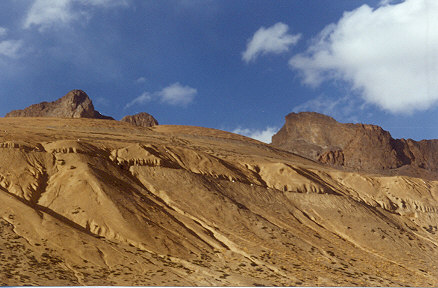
(100, 202)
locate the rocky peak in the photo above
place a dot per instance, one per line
(141, 119)
(75, 104)
(359, 146)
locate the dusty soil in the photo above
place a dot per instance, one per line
(102, 202)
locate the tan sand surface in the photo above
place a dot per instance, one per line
(103, 202)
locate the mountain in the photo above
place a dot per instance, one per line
(357, 146)
(141, 119)
(75, 104)
(91, 202)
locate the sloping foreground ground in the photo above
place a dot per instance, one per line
(100, 202)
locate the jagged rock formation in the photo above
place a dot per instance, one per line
(142, 119)
(75, 104)
(359, 146)
(99, 203)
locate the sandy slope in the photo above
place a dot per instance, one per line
(100, 202)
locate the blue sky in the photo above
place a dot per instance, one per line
(233, 65)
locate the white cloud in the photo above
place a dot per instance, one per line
(46, 14)
(144, 98)
(11, 48)
(273, 39)
(3, 31)
(388, 54)
(176, 94)
(141, 80)
(260, 135)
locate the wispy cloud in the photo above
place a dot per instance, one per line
(45, 14)
(174, 94)
(263, 135)
(274, 39)
(9, 48)
(141, 80)
(3, 31)
(388, 54)
(177, 94)
(144, 98)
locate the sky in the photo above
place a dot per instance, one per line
(234, 65)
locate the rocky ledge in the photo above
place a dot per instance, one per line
(358, 146)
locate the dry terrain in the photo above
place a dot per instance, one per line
(103, 202)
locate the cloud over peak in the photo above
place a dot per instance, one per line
(144, 98)
(260, 135)
(174, 94)
(389, 55)
(274, 39)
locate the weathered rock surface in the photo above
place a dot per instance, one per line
(359, 146)
(75, 104)
(100, 203)
(142, 119)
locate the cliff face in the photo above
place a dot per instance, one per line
(75, 104)
(358, 146)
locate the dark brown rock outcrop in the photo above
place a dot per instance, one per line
(358, 146)
(75, 104)
(141, 119)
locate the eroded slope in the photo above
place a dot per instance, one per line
(100, 202)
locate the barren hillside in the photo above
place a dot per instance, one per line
(103, 202)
